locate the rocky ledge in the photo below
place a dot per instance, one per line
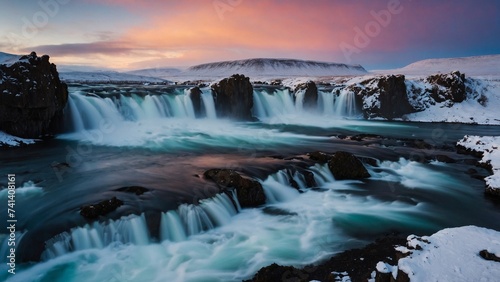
(32, 97)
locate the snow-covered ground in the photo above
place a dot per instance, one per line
(489, 146)
(107, 77)
(487, 66)
(9, 140)
(8, 59)
(451, 255)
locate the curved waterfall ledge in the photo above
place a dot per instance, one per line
(175, 225)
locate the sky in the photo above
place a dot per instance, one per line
(136, 34)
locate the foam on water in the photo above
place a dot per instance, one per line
(311, 227)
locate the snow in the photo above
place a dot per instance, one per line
(471, 66)
(106, 77)
(453, 255)
(489, 146)
(256, 69)
(9, 140)
(8, 59)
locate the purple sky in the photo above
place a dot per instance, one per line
(132, 34)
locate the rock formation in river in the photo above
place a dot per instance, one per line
(234, 97)
(383, 96)
(343, 165)
(31, 96)
(310, 101)
(195, 96)
(249, 192)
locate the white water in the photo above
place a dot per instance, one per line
(311, 228)
(281, 104)
(89, 112)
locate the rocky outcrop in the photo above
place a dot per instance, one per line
(449, 87)
(234, 97)
(345, 165)
(249, 192)
(310, 90)
(32, 97)
(101, 208)
(195, 96)
(384, 97)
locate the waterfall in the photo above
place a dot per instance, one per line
(280, 102)
(88, 111)
(175, 225)
(208, 103)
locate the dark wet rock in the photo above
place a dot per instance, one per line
(319, 157)
(101, 208)
(309, 179)
(361, 137)
(445, 159)
(234, 97)
(358, 263)
(60, 166)
(277, 211)
(310, 101)
(489, 256)
(345, 165)
(384, 97)
(492, 191)
(370, 161)
(471, 171)
(138, 190)
(249, 192)
(195, 95)
(449, 87)
(32, 97)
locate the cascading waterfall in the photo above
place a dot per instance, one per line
(280, 102)
(175, 225)
(87, 112)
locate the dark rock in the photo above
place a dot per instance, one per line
(234, 97)
(345, 165)
(448, 87)
(489, 256)
(370, 161)
(392, 100)
(277, 211)
(319, 157)
(471, 171)
(492, 191)
(101, 208)
(138, 190)
(195, 95)
(349, 261)
(309, 177)
(32, 97)
(310, 101)
(249, 192)
(445, 159)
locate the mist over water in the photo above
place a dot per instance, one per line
(184, 228)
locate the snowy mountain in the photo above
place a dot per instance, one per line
(7, 59)
(107, 77)
(275, 67)
(471, 66)
(164, 73)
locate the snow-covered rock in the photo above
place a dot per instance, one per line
(8, 140)
(451, 255)
(489, 146)
(32, 97)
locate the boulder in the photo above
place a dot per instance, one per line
(138, 190)
(310, 101)
(249, 192)
(101, 208)
(195, 96)
(345, 165)
(234, 97)
(449, 87)
(32, 97)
